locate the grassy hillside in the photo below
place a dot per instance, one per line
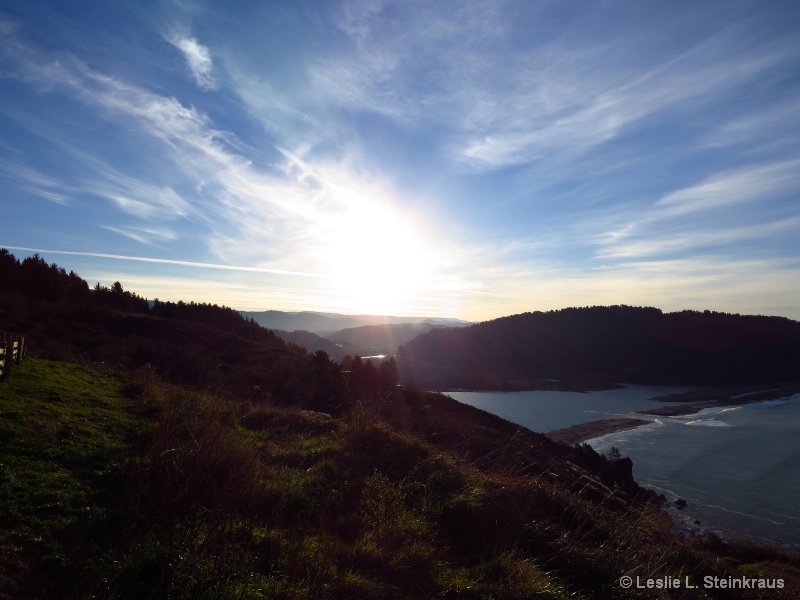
(130, 487)
(65, 432)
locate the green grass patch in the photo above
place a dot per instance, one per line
(65, 431)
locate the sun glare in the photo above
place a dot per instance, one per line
(377, 261)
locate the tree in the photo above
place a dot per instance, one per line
(327, 382)
(389, 373)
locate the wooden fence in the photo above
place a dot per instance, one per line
(12, 349)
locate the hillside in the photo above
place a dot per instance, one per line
(179, 451)
(202, 345)
(601, 346)
(117, 487)
(381, 339)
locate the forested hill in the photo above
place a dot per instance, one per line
(189, 343)
(591, 347)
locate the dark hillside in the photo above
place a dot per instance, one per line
(600, 346)
(202, 345)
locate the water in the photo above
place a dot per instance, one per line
(737, 467)
(547, 411)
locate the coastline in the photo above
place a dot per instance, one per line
(687, 403)
(715, 397)
(582, 432)
(695, 520)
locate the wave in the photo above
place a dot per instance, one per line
(708, 423)
(622, 436)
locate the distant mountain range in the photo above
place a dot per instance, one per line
(601, 346)
(324, 324)
(340, 335)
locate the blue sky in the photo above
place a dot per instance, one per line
(442, 158)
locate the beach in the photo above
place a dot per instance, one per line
(587, 431)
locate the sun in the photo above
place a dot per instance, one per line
(377, 261)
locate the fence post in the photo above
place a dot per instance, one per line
(20, 348)
(8, 349)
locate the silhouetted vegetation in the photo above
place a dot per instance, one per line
(34, 278)
(597, 346)
(189, 343)
(368, 380)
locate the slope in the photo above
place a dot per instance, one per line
(144, 489)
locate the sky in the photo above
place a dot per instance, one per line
(463, 159)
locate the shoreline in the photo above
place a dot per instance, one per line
(577, 434)
(687, 523)
(690, 403)
(717, 397)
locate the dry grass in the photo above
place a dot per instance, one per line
(243, 499)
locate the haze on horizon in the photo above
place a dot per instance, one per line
(462, 159)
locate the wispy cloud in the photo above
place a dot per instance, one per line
(413, 62)
(133, 196)
(767, 129)
(505, 103)
(731, 187)
(721, 211)
(594, 106)
(48, 195)
(694, 239)
(34, 181)
(137, 198)
(145, 235)
(198, 58)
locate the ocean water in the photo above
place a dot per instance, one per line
(544, 411)
(738, 467)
